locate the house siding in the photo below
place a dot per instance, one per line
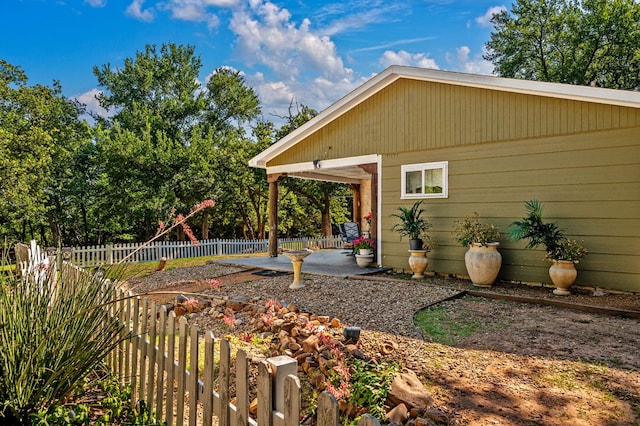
(581, 159)
(589, 183)
(412, 115)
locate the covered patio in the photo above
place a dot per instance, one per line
(334, 262)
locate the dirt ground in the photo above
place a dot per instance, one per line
(519, 364)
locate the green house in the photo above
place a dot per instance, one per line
(469, 143)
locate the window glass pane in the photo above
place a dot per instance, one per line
(433, 181)
(413, 182)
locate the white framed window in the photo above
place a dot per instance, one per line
(426, 180)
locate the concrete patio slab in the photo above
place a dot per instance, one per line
(324, 262)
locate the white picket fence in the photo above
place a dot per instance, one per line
(110, 254)
(170, 365)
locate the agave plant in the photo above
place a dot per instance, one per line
(54, 330)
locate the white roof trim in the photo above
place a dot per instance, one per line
(323, 164)
(555, 90)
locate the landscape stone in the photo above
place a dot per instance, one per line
(407, 389)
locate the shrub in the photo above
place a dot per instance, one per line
(53, 332)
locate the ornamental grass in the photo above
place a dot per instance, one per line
(54, 330)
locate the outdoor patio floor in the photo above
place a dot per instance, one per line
(323, 262)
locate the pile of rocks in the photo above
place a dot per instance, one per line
(319, 345)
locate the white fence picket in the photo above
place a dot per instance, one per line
(110, 254)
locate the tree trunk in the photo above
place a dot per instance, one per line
(205, 225)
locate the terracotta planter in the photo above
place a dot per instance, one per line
(418, 262)
(364, 260)
(483, 263)
(563, 273)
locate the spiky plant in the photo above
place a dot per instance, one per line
(533, 229)
(54, 330)
(412, 224)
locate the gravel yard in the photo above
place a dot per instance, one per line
(523, 363)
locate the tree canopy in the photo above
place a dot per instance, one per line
(40, 133)
(168, 142)
(582, 42)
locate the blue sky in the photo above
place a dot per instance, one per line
(315, 51)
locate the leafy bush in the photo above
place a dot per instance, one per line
(536, 231)
(54, 330)
(469, 230)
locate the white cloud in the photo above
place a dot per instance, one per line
(96, 3)
(463, 61)
(485, 20)
(196, 10)
(135, 11)
(266, 35)
(402, 57)
(91, 103)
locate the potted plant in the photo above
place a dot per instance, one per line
(562, 251)
(482, 259)
(364, 245)
(412, 225)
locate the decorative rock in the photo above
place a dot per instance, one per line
(294, 346)
(253, 407)
(236, 304)
(388, 347)
(407, 389)
(350, 348)
(292, 307)
(323, 319)
(311, 344)
(335, 323)
(398, 414)
(436, 415)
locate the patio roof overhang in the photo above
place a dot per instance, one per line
(343, 170)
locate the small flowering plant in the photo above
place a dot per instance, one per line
(568, 249)
(469, 230)
(364, 243)
(368, 218)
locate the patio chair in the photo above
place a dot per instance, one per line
(349, 231)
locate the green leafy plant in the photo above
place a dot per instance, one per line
(54, 330)
(370, 385)
(470, 230)
(537, 232)
(412, 223)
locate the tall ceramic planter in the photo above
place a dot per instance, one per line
(418, 262)
(563, 273)
(483, 263)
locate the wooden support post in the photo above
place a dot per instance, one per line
(372, 169)
(273, 213)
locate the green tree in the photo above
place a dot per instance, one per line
(582, 42)
(145, 147)
(172, 142)
(40, 131)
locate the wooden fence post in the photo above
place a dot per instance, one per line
(281, 367)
